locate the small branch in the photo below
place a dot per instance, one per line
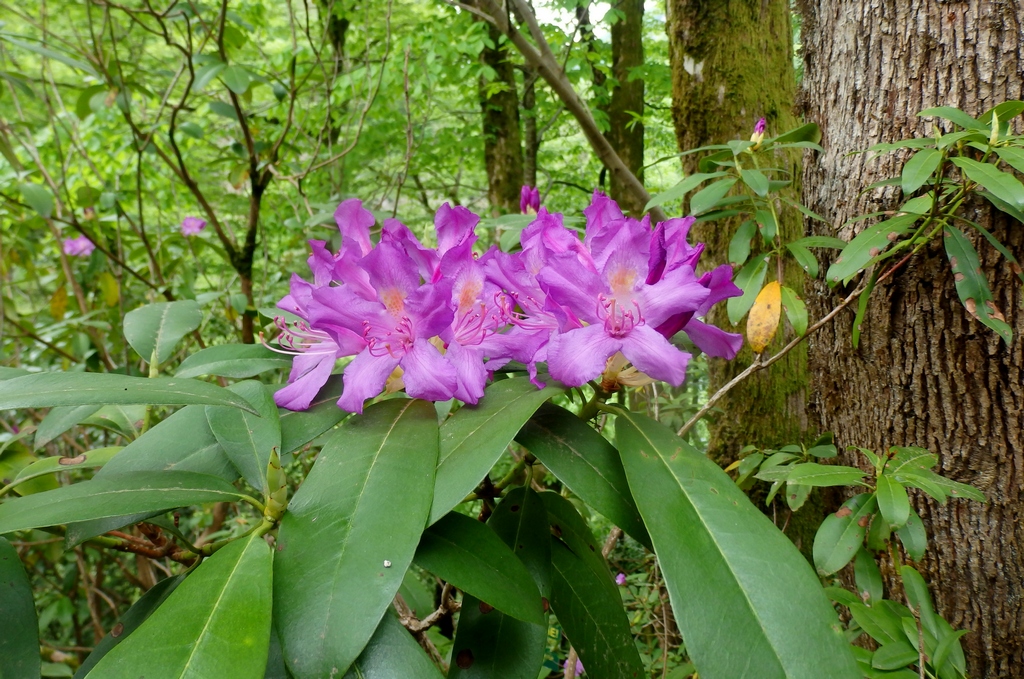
(409, 621)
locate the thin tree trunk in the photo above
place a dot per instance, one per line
(926, 374)
(626, 131)
(503, 150)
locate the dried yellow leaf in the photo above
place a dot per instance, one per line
(59, 303)
(764, 317)
(108, 286)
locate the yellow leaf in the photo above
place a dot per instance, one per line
(59, 303)
(764, 317)
(108, 286)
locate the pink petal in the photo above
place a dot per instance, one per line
(712, 340)
(354, 222)
(470, 372)
(454, 226)
(427, 374)
(309, 373)
(578, 356)
(365, 378)
(654, 355)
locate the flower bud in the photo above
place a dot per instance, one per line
(994, 136)
(758, 135)
(277, 488)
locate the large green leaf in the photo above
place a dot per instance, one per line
(867, 245)
(1001, 184)
(38, 197)
(19, 632)
(586, 599)
(214, 624)
(474, 438)
(490, 644)
(918, 169)
(971, 286)
(746, 601)
(300, 427)
(954, 115)
(350, 533)
(678, 191)
(159, 327)
(586, 463)
(232, 360)
(97, 457)
(46, 390)
(246, 438)
(59, 420)
(115, 495)
(392, 653)
(842, 534)
(468, 554)
(130, 621)
(182, 442)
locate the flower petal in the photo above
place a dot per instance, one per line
(364, 378)
(719, 283)
(572, 285)
(428, 375)
(712, 340)
(309, 373)
(454, 226)
(354, 222)
(654, 355)
(470, 372)
(677, 292)
(578, 356)
(392, 272)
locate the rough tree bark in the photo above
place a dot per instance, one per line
(627, 99)
(926, 374)
(503, 149)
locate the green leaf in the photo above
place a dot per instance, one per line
(796, 311)
(919, 169)
(749, 280)
(770, 617)
(739, 246)
(1006, 111)
(223, 109)
(237, 78)
(124, 421)
(474, 438)
(59, 420)
(232, 360)
(757, 182)
(807, 212)
(920, 600)
(971, 285)
(948, 487)
(881, 623)
(680, 190)
(214, 624)
(867, 576)
(586, 463)
(585, 598)
(708, 197)
(130, 621)
(954, 115)
(894, 655)
(51, 54)
(191, 129)
(182, 442)
(300, 427)
(814, 474)
(468, 554)
(116, 495)
(97, 457)
(392, 652)
(1012, 156)
(807, 261)
(807, 132)
(766, 224)
(913, 536)
(1004, 206)
(46, 390)
(205, 74)
(893, 502)
(19, 631)
(947, 650)
(159, 327)
(343, 546)
(820, 242)
(492, 644)
(38, 198)
(910, 458)
(867, 245)
(83, 106)
(841, 534)
(246, 438)
(1001, 184)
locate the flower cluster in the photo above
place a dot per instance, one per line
(438, 320)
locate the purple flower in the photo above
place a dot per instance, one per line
(529, 200)
(191, 226)
(759, 127)
(758, 136)
(78, 247)
(620, 579)
(579, 666)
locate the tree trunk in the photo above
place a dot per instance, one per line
(732, 64)
(626, 132)
(926, 374)
(503, 151)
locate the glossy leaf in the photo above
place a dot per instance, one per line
(466, 553)
(1005, 111)
(893, 502)
(46, 390)
(749, 280)
(807, 261)
(971, 286)
(796, 310)
(820, 242)
(182, 442)
(232, 360)
(90, 459)
(1012, 156)
(894, 656)
(867, 245)
(123, 420)
(586, 463)
(59, 420)
(867, 576)
(739, 246)
(159, 327)
(474, 438)
(680, 190)
(1001, 184)
(491, 644)
(771, 618)
(841, 534)
(954, 115)
(392, 653)
(757, 182)
(910, 458)
(247, 439)
(130, 621)
(814, 474)
(585, 598)
(913, 536)
(708, 197)
(920, 600)
(300, 427)
(19, 631)
(237, 78)
(115, 495)
(806, 132)
(919, 169)
(344, 546)
(214, 624)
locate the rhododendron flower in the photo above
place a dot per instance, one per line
(78, 247)
(579, 666)
(620, 579)
(191, 226)
(529, 200)
(758, 136)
